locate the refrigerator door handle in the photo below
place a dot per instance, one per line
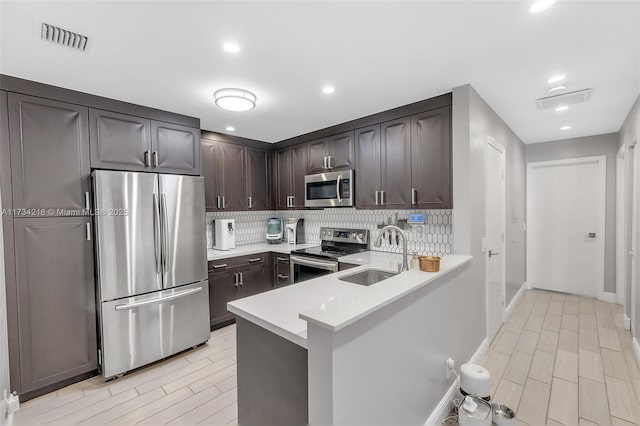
(157, 232)
(165, 239)
(174, 296)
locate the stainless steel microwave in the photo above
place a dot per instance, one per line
(331, 189)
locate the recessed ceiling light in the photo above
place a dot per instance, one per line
(541, 5)
(556, 78)
(230, 129)
(231, 47)
(235, 99)
(562, 108)
(327, 90)
(565, 128)
(556, 88)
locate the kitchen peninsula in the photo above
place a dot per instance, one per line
(326, 351)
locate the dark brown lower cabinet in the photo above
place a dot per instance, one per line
(222, 289)
(56, 299)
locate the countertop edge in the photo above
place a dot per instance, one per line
(292, 337)
(464, 260)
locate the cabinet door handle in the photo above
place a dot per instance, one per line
(377, 195)
(256, 259)
(293, 200)
(237, 280)
(147, 158)
(330, 161)
(87, 201)
(324, 162)
(382, 198)
(218, 201)
(155, 158)
(250, 202)
(88, 231)
(414, 196)
(222, 265)
(224, 206)
(241, 278)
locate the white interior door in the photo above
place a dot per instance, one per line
(566, 217)
(496, 212)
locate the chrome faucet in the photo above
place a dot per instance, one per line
(378, 243)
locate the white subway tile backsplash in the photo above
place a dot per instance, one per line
(435, 237)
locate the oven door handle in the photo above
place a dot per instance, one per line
(329, 266)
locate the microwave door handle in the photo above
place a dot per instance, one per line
(338, 184)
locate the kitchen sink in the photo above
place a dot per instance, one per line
(368, 276)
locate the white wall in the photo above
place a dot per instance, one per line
(588, 147)
(473, 122)
(629, 135)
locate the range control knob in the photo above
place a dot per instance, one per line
(353, 235)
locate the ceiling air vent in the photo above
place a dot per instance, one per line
(564, 99)
(64, 37)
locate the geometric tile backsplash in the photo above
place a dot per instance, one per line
(434, 238)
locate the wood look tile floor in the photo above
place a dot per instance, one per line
(197, 387)
(564, 359)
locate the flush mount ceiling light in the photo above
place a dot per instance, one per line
(235, 99)
(562, 108)
(556, 88)
(541, 5)
(565, 128)
(230, 129)
(231, 48)
(327, 90)
(556, 78)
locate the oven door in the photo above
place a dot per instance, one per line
(305, 268)
(331, 189)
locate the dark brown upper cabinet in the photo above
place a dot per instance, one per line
(291, 165)
(258, 179)
(49, 144)
(208, 158)
(368, 179)
(231, 177)
(176, 149)
(431, 157)
(55, 292)
(282, 168)
(120, 141)
(333, 153)
(126, 142)
(395, 143)
(299, 167)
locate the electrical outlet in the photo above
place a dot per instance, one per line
(451, 366)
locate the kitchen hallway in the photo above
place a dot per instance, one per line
(565, 359)
(198, 386)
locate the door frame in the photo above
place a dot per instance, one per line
(601, 191)
(490, 142)
(622, 255)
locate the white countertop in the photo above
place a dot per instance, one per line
(253, 249)
(334, 304)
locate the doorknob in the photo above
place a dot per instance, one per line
(493, 253)
(590, 235)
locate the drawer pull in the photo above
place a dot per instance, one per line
(282, 259)
(255, 259)
(222, 265)
(284, 277)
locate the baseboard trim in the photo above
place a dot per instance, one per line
(444, 406)
(627, 321)
(636, 350)
(514, 301)
(608, 297)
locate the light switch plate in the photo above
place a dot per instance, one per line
(484, 244)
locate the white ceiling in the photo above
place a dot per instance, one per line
(378, 55)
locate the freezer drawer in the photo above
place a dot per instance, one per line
(143, 329)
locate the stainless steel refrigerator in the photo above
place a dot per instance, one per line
(153, 293)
